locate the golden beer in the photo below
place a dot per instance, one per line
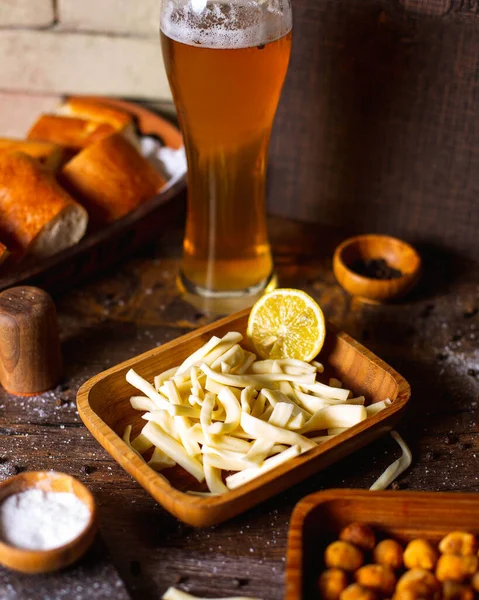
(226, 69)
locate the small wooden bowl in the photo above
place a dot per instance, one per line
(44, 561)
(396, 253)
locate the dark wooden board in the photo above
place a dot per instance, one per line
(94, 577)
(431, 338)
(377, 125)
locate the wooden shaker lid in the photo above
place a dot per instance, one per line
(30, 354)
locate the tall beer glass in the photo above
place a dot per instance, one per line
(226, 62)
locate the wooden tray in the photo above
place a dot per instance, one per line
(318, 519)
(103, 405)
(101, 249)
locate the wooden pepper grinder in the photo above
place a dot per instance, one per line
(30, 354)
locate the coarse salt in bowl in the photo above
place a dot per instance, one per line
(47, 521)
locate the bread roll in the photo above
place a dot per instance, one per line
(73, 134)
(49, 155)
(111, 178)
(100, 113)
(37, 216)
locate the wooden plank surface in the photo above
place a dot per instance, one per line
(432, 339)
(95, 577)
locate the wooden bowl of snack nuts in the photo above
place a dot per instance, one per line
(363, 545)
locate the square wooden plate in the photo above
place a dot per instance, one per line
(103, 405)
(318, 519)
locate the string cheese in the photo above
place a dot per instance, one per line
(223, 411)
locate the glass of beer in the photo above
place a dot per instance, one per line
(226, 61)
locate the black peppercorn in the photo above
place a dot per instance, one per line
(375, 268)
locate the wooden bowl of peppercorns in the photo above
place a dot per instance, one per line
(376, 268)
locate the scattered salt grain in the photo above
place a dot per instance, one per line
(41, 520)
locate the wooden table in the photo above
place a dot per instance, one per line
(432, 339)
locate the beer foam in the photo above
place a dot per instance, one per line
(224, 26)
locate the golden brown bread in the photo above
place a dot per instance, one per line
(95, 111)
(111, 178)
(100, 113)
(73, 134)
(49, 155)
(37, 216)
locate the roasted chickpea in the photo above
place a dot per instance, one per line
(420, 554)
(406, 595)
(459, 542)
(342, 555)
(417, 583)
(451, 590)
(389, 553)
(360, 535)
(358, 592)
(331, 583)
(379, 578)
(455, 568)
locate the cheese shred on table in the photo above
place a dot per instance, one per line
(175, 594)
(396, 468)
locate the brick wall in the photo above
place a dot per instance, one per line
(106, 47)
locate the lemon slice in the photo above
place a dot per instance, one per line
(286, 323)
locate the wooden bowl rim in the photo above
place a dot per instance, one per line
(19, 555)
(388, 241)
